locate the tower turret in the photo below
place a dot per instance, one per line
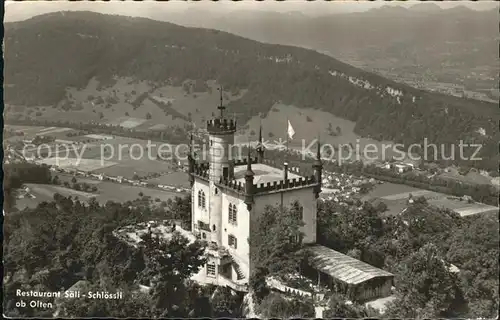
(221, 134)
(260, 147)
(249, 188)
(318, 171)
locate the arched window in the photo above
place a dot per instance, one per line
(235, 212)
(201, 199)
(232, 214)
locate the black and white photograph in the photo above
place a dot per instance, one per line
(251, 159)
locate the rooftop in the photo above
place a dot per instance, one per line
(262, 174)
(343, 267)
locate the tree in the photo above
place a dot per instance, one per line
(355, 253)
(226, 303)
(169, 264)
(148, 116)
(276, 246)
(277, 240)
(73, 180)
(133, 303)
(276, 306)
(180, 208)
(339, 308)
(426, 287)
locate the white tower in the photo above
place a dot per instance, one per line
(221, 139)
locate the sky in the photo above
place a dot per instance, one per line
(20, 10)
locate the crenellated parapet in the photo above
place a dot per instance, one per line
(233, 185)
(297, 169)
(244, 162)
(201, 169)
(221, 126)
(284, 185)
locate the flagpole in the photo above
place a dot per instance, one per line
(286, 135)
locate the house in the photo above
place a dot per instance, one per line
(358, 280)
(402, 167)
(229, 193)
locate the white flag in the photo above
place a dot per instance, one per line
(290, 130)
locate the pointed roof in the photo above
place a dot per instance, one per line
(260, 144)
(318, 162)
(249, 172)
(221, 107)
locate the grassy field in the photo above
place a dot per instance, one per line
(114, 105)
(107, 191)
(275, 125)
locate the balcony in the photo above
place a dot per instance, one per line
(203, 226)
(219, 252)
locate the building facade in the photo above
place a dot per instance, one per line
(228, 194)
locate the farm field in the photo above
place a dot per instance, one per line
(110, 155)
(395, 196)
(29, 131)
(45, 192)
(177, 179)
(471, 177)
(107, 191)
(87, 165)
(128, 168)
(387, 189)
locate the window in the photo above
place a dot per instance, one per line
(204, 235)
(216, 191)
(201, 199)
(211, 269)
(232, 241)
(213, 227)
(232, 214)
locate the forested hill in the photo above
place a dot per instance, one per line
(48, 53)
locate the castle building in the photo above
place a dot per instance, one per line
(229, 194)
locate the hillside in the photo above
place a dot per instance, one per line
(414, 45)
(49, 53)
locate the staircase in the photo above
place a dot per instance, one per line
(239, 273)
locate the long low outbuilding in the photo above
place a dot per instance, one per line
(342, 273)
